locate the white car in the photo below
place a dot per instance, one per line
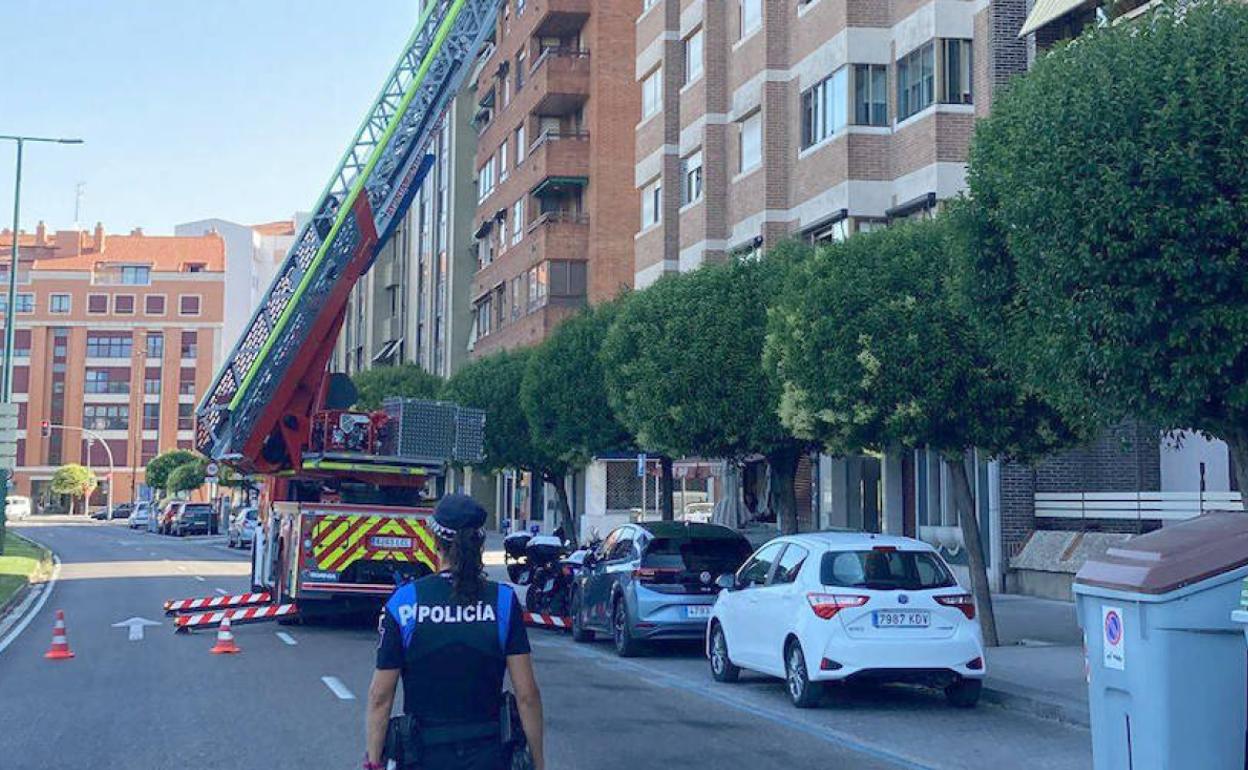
(836, 606)
(141, 516)
(16, 507)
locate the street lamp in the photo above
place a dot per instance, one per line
(10, 334)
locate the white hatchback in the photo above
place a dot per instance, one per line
(847, 606)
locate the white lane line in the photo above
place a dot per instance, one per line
(336, 686)
(33, 603)
(201, 579)
(179, 568)
(222, 591)
(288, 639)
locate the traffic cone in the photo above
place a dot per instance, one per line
(60, 644)
(225, 640)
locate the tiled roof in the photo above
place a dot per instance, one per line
(280, 227)
(165, 253)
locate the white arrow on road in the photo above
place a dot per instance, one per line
(136, 626)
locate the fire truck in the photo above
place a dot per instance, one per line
(346, 494)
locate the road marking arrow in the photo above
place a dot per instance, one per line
(136, 626)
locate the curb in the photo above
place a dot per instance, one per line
(45, 566)
(1037, 703)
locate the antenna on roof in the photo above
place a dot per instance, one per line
(80, 190)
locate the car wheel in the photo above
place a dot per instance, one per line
(803, 692)
(579, 632)
(722, 668)
(964, 693)
(625, 645)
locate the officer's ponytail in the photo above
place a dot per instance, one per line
(462, 554)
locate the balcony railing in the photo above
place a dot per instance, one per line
(1131, 506)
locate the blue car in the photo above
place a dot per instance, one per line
(654, 580)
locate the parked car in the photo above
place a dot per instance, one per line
(192, 519)
(242, 529)
(141, 516)
(120, 511)
(653, 580)
(847, 606)
(164, 524)
(16, 507)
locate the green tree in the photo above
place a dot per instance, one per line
(563, 392)
(186, 477)
(74, 480)
(158, 469)
(684, 370)
(874, 351)
(405, 381)
(492, 384)
(1108, 224)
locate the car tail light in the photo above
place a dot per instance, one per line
(975, 664)
(827, 664)
(827, 605)
(885, 548)
(655, 574)
(963, 602)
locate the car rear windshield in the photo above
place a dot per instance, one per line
(197, 510)
(716, 555)
(884, 570)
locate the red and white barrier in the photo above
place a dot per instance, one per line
(174, 606)
(547, 621)
(244, 615)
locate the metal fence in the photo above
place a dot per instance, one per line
(1165, 506)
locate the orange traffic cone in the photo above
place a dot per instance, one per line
(60, 644)
(225, 640)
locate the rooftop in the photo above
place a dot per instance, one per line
(82, 250)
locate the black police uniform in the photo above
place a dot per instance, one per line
(453, 656)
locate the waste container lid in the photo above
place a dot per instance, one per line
(1172, 557)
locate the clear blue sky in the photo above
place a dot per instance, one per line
(189, 108)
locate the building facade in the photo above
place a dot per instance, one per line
(117, 334)
(556, 213)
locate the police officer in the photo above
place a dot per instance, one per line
(451, 636)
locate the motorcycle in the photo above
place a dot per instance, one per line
(549, 581)
(515, 551)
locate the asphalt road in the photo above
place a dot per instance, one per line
(293, 698)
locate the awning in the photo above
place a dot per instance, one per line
(924, 201)
(483, 229)
(1045, 11)
(387, 350)
(556, 183)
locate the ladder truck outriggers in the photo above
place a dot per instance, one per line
(346, 495)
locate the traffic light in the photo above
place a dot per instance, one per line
(45, 428)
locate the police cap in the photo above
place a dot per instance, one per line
(455, 513)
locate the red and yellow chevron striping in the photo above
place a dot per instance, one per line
(337, 541)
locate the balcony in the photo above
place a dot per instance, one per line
(560, 235)
(561, 78)
(559, 18)
(559, 160)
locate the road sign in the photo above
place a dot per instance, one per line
(1114, 641)
(641, 465)
(211, 469)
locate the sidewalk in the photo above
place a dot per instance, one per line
(1039, 667)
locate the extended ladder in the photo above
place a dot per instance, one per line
(277, 364)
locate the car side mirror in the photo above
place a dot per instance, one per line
(727, 581)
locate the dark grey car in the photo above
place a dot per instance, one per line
(654, 580)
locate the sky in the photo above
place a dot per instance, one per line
(189, 109)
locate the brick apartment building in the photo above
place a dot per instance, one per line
(557, 210)
(119, 334)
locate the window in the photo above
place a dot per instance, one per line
(484, 315)
(107, 381)
(155, 344)
(691, 178)
(186, 417)
(916, 81)
(190, 345)
(790, 564)
(870, 95)
(567, 279)
(751, 16)
(832, 232)
(97, 304)
(154, 304)
(522, 66)
(188, 304)
(151, 417)
(25, 302)
(648, 4)
(622, 550)
(502, 161)
(884, 570)
(151, 382)
(521, 147)
(136, 275)
(517, 284)
(537, 285)
(955, 71)
(651, 203)
(824, 108)
(486, 176)
(517, 221)
(506, 82)
(58, 303)
(186, 382)
(751, 142)
(693, 56)
(755, 571)
(123, 304)
(104, 345)
(106, 416)
(652, 93)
